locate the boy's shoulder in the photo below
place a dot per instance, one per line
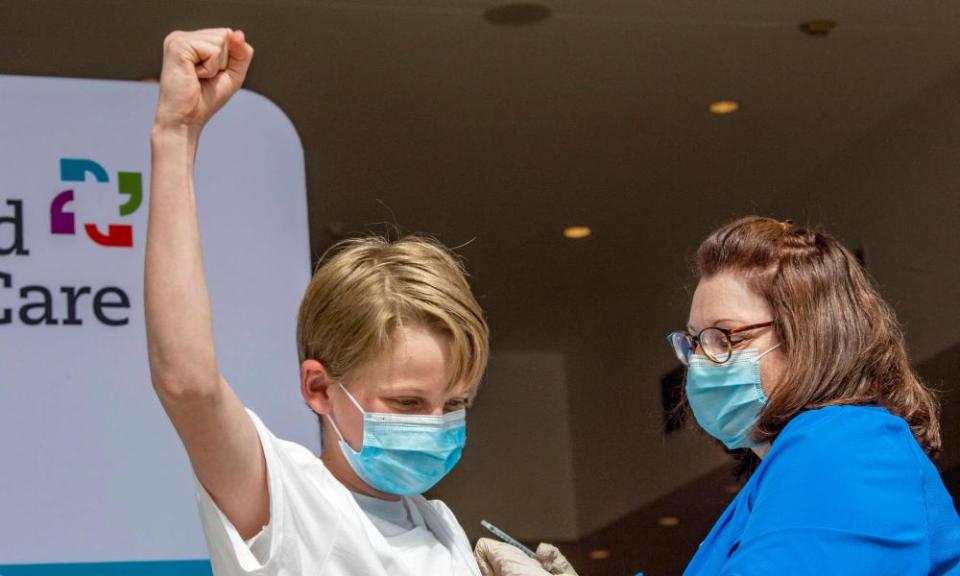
(295, 462)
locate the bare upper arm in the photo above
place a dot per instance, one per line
(224, 448)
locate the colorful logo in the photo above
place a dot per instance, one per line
(63, 221)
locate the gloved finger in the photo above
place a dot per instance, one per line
(485, 568)
(505, 560)
(553, 561)
(481, 552)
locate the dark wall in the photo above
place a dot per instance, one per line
(942, 372)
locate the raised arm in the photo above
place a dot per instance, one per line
(201, 71)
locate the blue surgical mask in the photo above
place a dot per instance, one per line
(405, 454)
(726, 399)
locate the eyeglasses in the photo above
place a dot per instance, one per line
(716, 343)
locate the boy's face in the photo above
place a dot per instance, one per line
(411, 377)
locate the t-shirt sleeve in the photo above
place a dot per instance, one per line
(260, 544)
(837, 501)
(229, 553)
(301, 517)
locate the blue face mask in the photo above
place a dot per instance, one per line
(726, 398)
(405, 454)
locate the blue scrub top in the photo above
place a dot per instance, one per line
(843, 490)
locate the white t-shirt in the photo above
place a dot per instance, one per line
(319, 528)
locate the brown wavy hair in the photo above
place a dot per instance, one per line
(842, 341)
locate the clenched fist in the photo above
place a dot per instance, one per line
(201, 71)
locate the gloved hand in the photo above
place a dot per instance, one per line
(501, 559)
(553, 561)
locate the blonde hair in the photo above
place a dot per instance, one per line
(364, 289)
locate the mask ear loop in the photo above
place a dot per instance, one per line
(334, 422)
(354, 400)
(769, 351)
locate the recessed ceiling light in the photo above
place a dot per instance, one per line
(517, 13)
(820, 27)
(599, 554)
(721, 107)
(577, 232)
(668, 521)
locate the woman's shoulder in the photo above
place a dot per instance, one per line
(847, 468)
(845, 428)
(845, 442)
(865, 413)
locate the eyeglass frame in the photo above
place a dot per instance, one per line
(727, 333)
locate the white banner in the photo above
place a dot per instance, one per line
(91, 469)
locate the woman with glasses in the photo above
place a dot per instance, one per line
(792, 355)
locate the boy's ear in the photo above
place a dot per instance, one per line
(315, 383)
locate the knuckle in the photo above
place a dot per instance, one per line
(172, 38)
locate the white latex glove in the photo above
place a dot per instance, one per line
(497, 558)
